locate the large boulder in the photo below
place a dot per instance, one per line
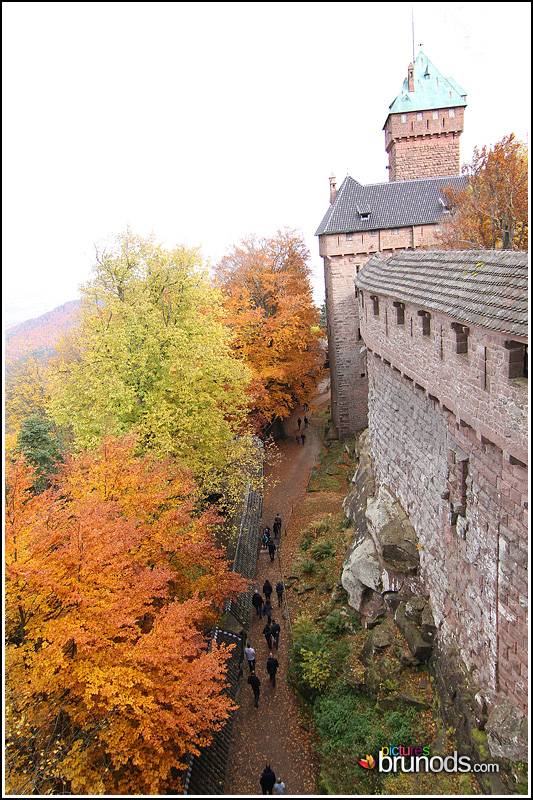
(393, 535)
(419, 645)
(507, 729)
(361, 571)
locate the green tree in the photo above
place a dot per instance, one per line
(43, 450)
(151, 355)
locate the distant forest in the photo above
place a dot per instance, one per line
(41, 334)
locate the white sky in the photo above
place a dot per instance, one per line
(206, 122)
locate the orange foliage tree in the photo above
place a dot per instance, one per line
(491, 212)
(112, 581)
(268, 300)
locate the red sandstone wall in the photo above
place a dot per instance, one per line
(424, 148)
(448, 438)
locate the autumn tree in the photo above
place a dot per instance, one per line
(491, 212)
(112, 580)
(151, 355)
(268, 300)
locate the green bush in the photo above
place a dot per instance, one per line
(323, 549)
(308, 566)
(306, 542)
(334, 624)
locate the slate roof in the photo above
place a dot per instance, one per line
(488, 288)
(395, 204)
(431, 90)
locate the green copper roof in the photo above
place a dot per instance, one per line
(432, 90)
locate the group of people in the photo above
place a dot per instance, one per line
(266, 539)
(269, 782)
(271, 632)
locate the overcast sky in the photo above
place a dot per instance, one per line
(206, 122)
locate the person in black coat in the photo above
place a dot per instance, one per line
(255, 683)
(272, 667)
(267, 780)
(267, 589)
(279, 592)
(271, 549)
(268, 635)
(275, 631)
(267, 610)
(257, 602)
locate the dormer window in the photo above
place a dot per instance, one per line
(365, 215)
(446, 207)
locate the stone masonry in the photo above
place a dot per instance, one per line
(448, 420)
(422, 133)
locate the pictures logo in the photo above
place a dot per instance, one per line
(367, 763)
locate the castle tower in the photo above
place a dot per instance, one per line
(424, 124)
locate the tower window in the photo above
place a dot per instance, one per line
(420, 116)
(451, 112)
(375, 300)
(435, 115)
(404, 117)
(349, 237)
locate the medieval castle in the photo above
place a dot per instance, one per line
(429, 350)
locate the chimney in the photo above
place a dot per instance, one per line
(411, 78)
(332, 188)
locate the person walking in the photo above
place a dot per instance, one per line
(277, 526)
(267, 780)
(272, 667)
(279, 592)
(268, 635)
(306, 407)
(306, 422)
(303, 437)
(275, 631)
(255, 683)
(249, 653)
(267, 610)
(271, 549)
(267, 589)
(299, 423)
(279, 787)
(257, 602)
(297, 438)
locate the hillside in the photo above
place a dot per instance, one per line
(41, 333)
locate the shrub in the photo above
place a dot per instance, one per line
(335, 624)
(308, 566)
(323, 549)
(306, 542)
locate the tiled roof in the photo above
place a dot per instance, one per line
(431, 90)
(488, 288)
(395, 204)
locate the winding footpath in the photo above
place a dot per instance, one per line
(272, 733)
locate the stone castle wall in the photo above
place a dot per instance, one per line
(424, 144)
(446, 432)
(431, 157)
(344, 254)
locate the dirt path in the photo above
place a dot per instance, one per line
(272, 733)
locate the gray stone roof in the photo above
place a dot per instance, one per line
(488, 288)
(395, 204)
